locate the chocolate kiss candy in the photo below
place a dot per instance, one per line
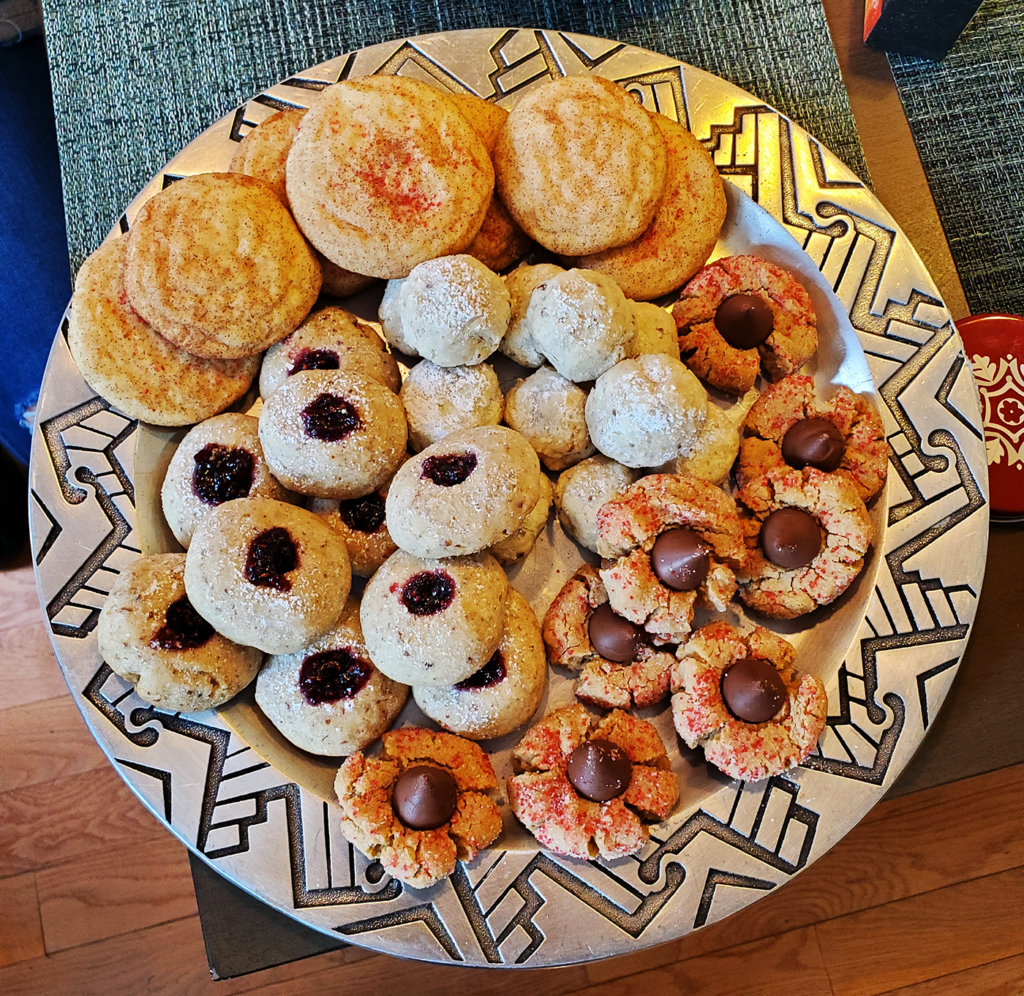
(790, 538)
(424, 797)
(753, 690)
(680, 560)
(744, 321)
(815, 442)
(599, 770)
(614, 638)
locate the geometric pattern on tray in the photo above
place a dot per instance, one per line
(276, 839)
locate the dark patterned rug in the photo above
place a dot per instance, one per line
(967, 117)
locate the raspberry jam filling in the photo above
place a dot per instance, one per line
(314, 359)
(222, 473)
(271, 556)
(362, 515)
(183, 628)
(330, 418)
(428, 592)
(447, 471)
(492, 673)
(333, 675)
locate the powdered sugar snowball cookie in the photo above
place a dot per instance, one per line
(362, 523)
(672, 540)
(267, 574)
(328, 698)
(806, 541)
(218, 460)
(332, 434)
(740, 698)
(420, 806)
(505, 692)
(714, 451)
(646, 411)
(517, 343)
(462, 494)
(330, 339)
(390, 314)
(587, 787)
(150, 634)
(687, 220)
(127, 362)
(434, 622)
(522, 541)
(442, 400)
(550, 412)
(453, 310)
(789, 425)
(619, 668)
(263, 151)
(580, 322)
(741, 315)
(580, 165)
(216, 264)
(655, 331)
(385, 173)
(580, 492)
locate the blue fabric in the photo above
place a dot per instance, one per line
(35, 277)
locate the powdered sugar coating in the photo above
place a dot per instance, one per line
(646, 411)
(748, 751)
(550, 412)
(714, 452)
(517, 343)
(441, 400)
(655, 331)
(452, 310)
(581, 322)
(521, 542)
(580, 492)
(493, 711)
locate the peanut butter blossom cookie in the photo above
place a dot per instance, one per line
(328, 698)
(216, 265)
(587, 788)
(385, 173)
(789, 425)
(125, 360)
(421, 805)
(434, 622)
(806, 536)
(267, 574)
(740, 698)
(463, 494)
(150, 633)
(218, 460)
(618, 665)
(505, 692)
(581, 166)
(671, 541)
(742, 315)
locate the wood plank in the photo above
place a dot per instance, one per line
(997, 978)
(902, 848)
(788, 965)
(33, 673)
(19, 598)
(116, 891)
(55, 821)
(925, 937)
(21, 933)
(167, 960)
(43, 741)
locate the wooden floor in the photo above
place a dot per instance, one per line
(925, 897)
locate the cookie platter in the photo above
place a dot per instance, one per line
(261, 812)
